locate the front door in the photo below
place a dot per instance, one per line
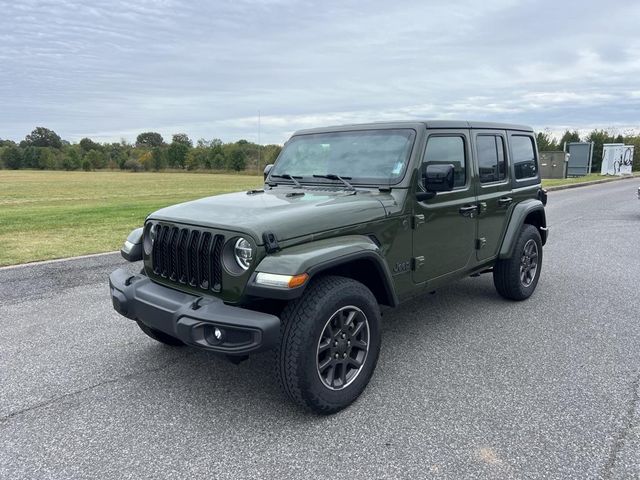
(445, 226)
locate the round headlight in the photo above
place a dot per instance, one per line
(243, 253)
(148, 237)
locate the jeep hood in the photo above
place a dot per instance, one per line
(282, 211)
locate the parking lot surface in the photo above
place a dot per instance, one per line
(468, 385)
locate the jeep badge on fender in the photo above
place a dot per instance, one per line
(349, 219)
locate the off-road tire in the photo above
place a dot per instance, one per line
(159, 336)
(303, 322)
(506, 273)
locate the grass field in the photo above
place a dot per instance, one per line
(47, 214)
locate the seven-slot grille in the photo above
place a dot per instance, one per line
(188, 256)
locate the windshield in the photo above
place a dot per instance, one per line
(366, 156)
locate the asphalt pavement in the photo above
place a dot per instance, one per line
(468, 385)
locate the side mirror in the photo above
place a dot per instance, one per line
(436, 178)
(267, 169)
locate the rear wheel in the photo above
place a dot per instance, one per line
(516, 278)
(159, 336)
(329, 344)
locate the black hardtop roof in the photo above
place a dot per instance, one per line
(418, 124)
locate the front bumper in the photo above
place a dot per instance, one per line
(193, 319)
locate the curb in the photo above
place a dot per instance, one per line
(586, 184)
(57, 260)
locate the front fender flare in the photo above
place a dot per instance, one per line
(316, 257)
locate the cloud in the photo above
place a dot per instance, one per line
(111, 69)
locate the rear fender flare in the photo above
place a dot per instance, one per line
(520, 213)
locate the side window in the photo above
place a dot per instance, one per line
(523, 157)
(491, 158)
(448, 149)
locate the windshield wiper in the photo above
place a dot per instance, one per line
(289, 177)
(333, 176)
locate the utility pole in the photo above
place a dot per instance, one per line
(259, 146)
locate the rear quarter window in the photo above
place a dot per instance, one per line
(523, 156)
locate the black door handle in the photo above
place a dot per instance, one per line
(504, 201)
(468, 211)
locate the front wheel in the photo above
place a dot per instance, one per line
(329, 344)
(516, 278)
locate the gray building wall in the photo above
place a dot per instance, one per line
(553, 164)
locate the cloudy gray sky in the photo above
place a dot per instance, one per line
(113, 69)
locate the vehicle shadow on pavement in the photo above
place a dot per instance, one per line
(208, 384)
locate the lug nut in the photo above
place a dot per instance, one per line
(335, 344)
(344, 335)
(344, 355)
(337, 355)
(348, 343)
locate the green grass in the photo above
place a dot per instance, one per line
(51, 214)
(567, 181)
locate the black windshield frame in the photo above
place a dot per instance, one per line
(404, 156)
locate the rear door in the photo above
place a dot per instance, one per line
(495, 196)
(445, 225)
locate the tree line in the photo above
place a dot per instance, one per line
(44, 149)
(548, 143)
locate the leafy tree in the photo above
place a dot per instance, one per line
(599, 138)
(177, 154)
(117, 153)
(7, 143)
(86, 164)
(149, 140)
(237, 160)
(146, 160)
(12, 157)
(158, 159)
(199, 157)
(96, 158)
(568, 137)
(71, 160)
(183, 139)
(30, 156)
(46, 159)
(219, 161)
(133, 165)
(87, 144)
(43, 137)
(546, 143)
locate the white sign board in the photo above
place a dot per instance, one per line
(617, 159)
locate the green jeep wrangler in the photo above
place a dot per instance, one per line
(349, 219)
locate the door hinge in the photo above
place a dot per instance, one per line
(480, 242)
(417, 263)
(417, 220)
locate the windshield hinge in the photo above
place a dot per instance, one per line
(270, 242)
